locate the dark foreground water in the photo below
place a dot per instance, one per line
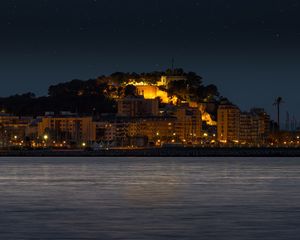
(144, 198)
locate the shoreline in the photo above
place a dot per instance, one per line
(160, 152)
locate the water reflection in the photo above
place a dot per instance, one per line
(160, 184)
(145, 198)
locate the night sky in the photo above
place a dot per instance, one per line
(249, 49)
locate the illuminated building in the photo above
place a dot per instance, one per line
(250, 128)
(228, 126)
(152, 91)
(66, 127)
(32, 132)
(254, 126)
(113, 129)
(120, 131)
(13, 129)
(137, 106)
(158, 130)
(263, 123)
(165, 80)
(188, 124)
(104, 131)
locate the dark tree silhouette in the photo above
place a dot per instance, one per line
(130, 90)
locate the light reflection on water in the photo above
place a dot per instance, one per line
(149, 198)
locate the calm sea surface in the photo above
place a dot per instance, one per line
(149, 198)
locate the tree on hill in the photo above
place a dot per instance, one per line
(130, 90)
(78, 88)
(178, 89)
(192, 89)
(83, 96)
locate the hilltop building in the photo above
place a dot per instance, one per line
(165, 80)
(152, 91)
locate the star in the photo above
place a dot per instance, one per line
(276, 35)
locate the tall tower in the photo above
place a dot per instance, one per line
(277, 103)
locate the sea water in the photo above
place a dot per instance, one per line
(150, 198)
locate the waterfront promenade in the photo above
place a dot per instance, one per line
(160, 152)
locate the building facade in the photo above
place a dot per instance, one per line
(251, 128)
(13, 130)
(228, 126)
(188, 126)
(137, 106)
(66, 128)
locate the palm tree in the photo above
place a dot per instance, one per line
(277, 103)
